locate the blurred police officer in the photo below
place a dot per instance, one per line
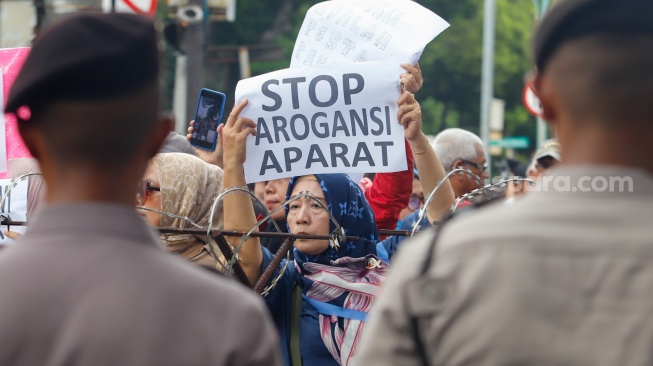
(89, 283)
(563, 276)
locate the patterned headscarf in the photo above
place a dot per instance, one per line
(188, 188)
(348, 277)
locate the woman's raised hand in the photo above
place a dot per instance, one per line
(411, 80)
(410, 116)
(234, 135)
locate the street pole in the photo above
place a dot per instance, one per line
(194, 63)
(179, 99)
(487, 76)
(541, 7)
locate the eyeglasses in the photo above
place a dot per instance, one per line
(415, 202)
(144, 188)
(482, 167)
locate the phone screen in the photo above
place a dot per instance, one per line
(207, 117)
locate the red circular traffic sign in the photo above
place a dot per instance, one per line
(138, 10)
(531, 100)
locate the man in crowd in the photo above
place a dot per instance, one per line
(563, 276)
(458, 148)
(90, 283)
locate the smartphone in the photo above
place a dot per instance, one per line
(207, 117)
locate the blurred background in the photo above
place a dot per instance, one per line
(215, 43)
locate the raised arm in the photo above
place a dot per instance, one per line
(390, 192)
(430, 169)
(239, 213)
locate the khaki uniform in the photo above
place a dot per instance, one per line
(91, 284)
(557, 278)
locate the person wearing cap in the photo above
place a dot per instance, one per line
(90, 283)
(562, 276)
(545, 158)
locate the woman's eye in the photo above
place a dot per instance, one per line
(315, 205)
(294, 207)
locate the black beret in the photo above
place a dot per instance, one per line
(87, 57)
(569, 19)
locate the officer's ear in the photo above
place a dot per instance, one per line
(544, 90)
(32, 137)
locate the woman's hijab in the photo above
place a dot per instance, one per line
(345, 277)
(188, 188)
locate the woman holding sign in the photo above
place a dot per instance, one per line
(323, 299)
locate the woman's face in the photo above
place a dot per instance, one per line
(305, 216)
(152, 198)
(275, 196)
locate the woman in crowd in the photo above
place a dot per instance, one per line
(387, 195)
(325, 337)
(36, 189)
(183, 185)
(331, 283)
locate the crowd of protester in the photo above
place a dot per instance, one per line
(528, 277)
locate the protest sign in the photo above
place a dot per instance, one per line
(336, 119)
(342, 31)
(14, 206)
(11, 60)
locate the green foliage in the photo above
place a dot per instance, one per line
(253, 18)
(287, 40)
(451, 64)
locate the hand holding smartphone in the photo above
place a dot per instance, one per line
(207, 117)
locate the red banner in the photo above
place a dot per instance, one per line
(11, 60)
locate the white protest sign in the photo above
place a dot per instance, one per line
(14, 206)
(339, 118)
(342, 31)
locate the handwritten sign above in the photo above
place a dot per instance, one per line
(340, 31)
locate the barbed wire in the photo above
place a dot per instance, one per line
(230, 253)
(337, 235)
(485, 189)
(190, 221)
(424, 209)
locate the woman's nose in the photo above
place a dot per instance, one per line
(303, 216)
